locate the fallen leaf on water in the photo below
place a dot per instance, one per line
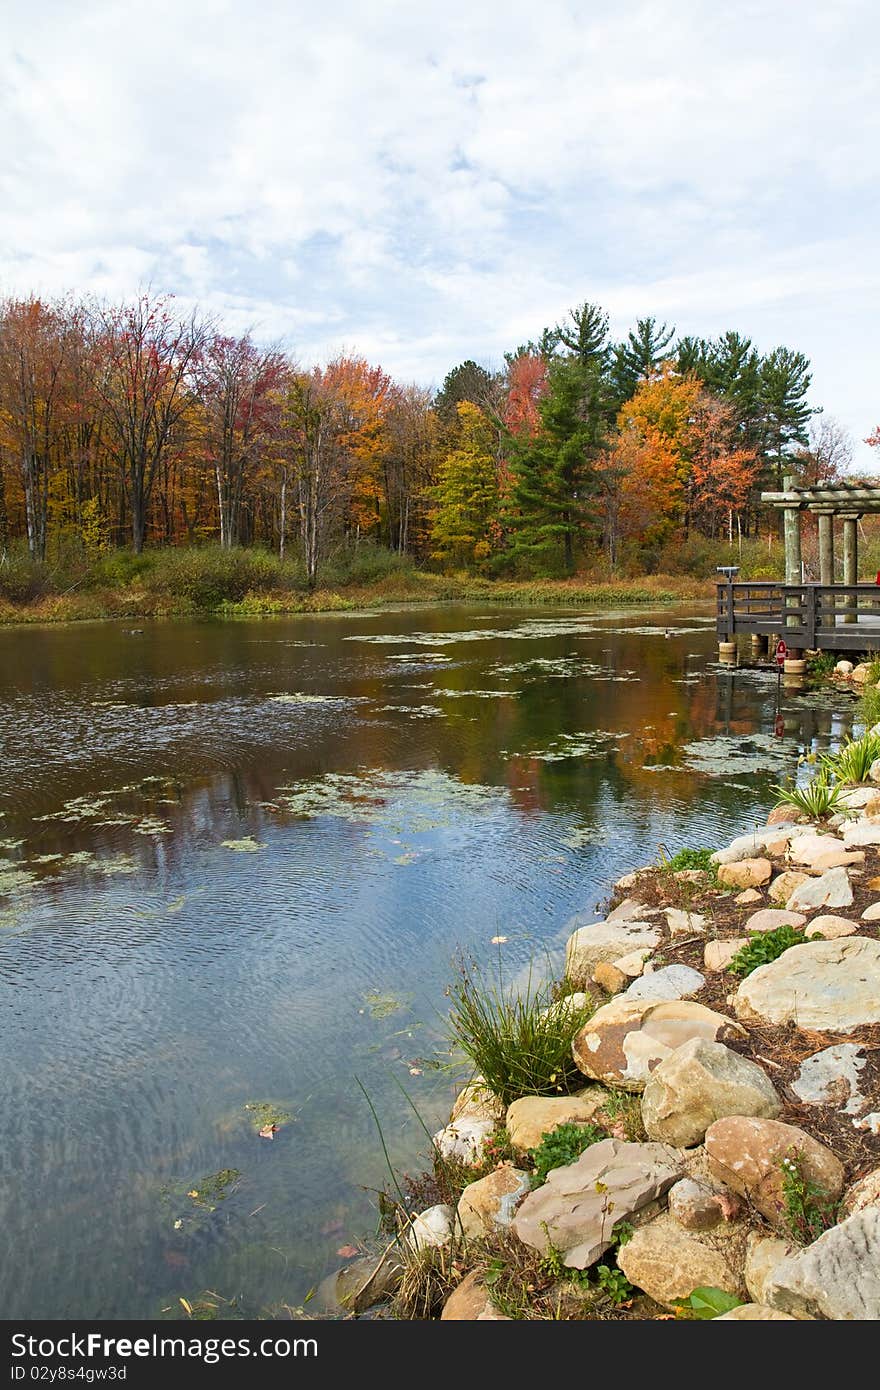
(498, 940)
(186, 1306)
(193, 1193)
(347, 1252)
(177, 1225)
(415, 1071)
(268, 1131)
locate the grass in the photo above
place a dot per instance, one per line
(177, 581)
(518, 1042)
(816, 799)
(562, 1146)
(853, 761)
(763, 947)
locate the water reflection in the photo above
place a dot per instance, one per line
(221, 844)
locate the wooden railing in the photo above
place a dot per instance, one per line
(808, 616)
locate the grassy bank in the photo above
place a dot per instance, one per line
(253, 583)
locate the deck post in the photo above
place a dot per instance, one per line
(793, 567)
(850, 559)
(826, 546)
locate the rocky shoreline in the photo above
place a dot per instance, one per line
(733, 1113)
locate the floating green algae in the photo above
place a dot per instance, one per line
(383, 1003)
(248, 845)
(265, 1114)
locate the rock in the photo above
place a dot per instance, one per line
(769, 918)
(598, 941)
(843, 668)
(831, 889)
(838, 858)
(464, 1139)
(859, 673)
(864, 1193)
(831, 986)
(489, 1203)
(861, 833)
(836, 1277)
(747, 897)
(774, 838)
(856, 798)
(746, 1155)
(468, 1301)
(361, 1284)
(870, 1122)
(530, 1117)
(626, 1038)
(684, 923)
(668, 1262)
(808, 848)
(752, 1312)
(430, 1228)
(695, 1205)
(578, 1206)
(633, 964)
(690, 875)
(763, 1255)
(784, 885)
(699, 1083)
(477, 1102)
(871, 913)
(874, 770)
(670, 982)
(609, 977)
(569, 1003)
(780, 815)
(745, 873)
(831, 1077)
(830, 927)
(630, 910)
(717, 955)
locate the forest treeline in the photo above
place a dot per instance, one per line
(133, 424)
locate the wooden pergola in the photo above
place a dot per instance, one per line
(828, 616)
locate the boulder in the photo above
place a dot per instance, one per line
(430, 1228)
(830, 986)
(576, 1209)
(631, 910)
(748, 896)
(831, 1077)
(531, 1117)
(596, 941)
(569, 1004)
(769, 918)
(830, 927)
(838, 858)
(668, 1263)
(626, 1038)
(489, 1203)
(754, 1312)
(836, 1277)
(871, 913)
(746, 1155)
(864, 1193)
(361, 1284)
(477, 1102)
(610, 977)
(763, 1255)
(670, 982)
(633, 964)
(862, 833)
(683, 924)
(468, 1301)
(701, 1082)
(464, 1139)
(860, 673)
(717, 955)
(843, 668)
(695, 1205)
(831, 889)
(806, 849)
(774, 839)
(745, 873)
(783, 885)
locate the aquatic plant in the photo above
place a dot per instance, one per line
(853, 761)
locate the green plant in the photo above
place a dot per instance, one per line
(690, 859)
(762, 947)
(519, 1043)
(706, 1302)
(869, 707)
(853, 761)
(562, 1146)
(622, 1234)
(817, 798)
(554, 1266)
(613, 1283)
(808, 1208)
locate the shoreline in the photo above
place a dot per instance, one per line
(742, 1089)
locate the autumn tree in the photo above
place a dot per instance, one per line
(408, 464)
(722, 473)
(659, 415)
(466, 493)
(144, 359)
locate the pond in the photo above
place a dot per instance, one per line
(236, 863)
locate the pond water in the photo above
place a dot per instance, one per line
(236, 862)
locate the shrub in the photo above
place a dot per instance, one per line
(853, 761)
(817, 798)
(562, 1146)
(519, 1042)
(762, 947)
(691, 859)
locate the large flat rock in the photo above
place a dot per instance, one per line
(624, 1040)
(578, 1206)
(829, 986)
(838, 1276)
(593, 942)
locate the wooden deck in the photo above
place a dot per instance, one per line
(810, 617)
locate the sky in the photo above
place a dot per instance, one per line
(424, 182)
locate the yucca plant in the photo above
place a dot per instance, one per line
(816, 799)
(853, 762)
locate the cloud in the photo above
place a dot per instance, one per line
(439, 181)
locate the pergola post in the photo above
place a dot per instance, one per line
(793, 570)
(826, 546)
(850, 559)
